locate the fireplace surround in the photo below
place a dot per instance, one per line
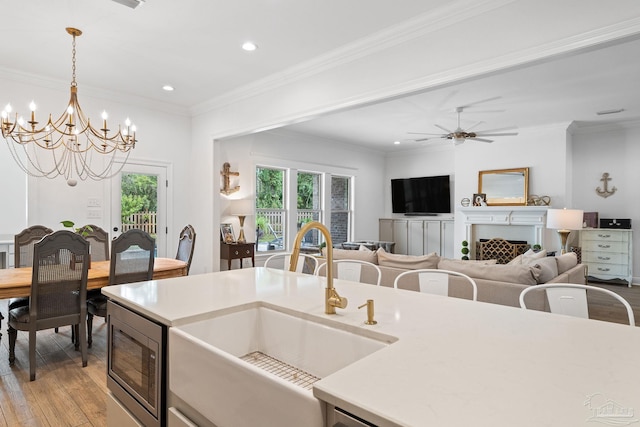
(525, 223)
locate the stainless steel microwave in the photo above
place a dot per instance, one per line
(135, 363)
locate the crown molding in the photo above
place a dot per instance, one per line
(408, 30)
(568, 45)
(91, 91)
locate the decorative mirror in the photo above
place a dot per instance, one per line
(505, 187)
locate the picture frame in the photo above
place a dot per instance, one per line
(479, 199)
(226, 233)
(591, 220)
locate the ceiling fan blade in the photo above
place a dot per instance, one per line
(481, 139)
(422, 133)
(496, 134)
(499, 130)
(443, 128)
(480, 102)
(471, 127)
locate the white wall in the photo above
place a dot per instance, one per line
(615, 150)
(281, 148)
(543, 150)
(163, 137)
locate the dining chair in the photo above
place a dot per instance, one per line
(132, 257)
(306, 263)
(355, 270)
(186, 244)
(23, 254)
(58, 293)
(571, 299)
(98, 240)
(437, 282)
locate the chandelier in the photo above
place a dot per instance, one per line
(69, 146)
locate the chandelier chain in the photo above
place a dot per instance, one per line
(73, 62)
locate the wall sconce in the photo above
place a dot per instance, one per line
(564, 220)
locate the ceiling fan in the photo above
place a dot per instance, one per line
(459, 135)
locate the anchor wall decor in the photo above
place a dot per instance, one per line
(606, 192)
(226, 175)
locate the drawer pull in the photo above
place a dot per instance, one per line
(604, 246)
(237, 253)
(604, 258)
(603, 269)
(248, 252)
(604, 236)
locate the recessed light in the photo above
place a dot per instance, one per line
(168, 88)
(396, 142)
(613, 111)
(249, 46)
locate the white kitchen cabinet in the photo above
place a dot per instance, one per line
(419, 236)
(608, 253)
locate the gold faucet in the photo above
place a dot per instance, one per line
(331, 299)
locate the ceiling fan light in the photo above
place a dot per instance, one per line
(457, 140)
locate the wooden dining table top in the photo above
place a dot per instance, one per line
(16, 282)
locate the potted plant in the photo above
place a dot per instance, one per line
(465, 250)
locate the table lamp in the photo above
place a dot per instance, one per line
(242, 208)
(564, 220)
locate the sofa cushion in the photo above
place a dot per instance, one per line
(566, 261)
(409, 262)
(522, 274)
(548, 268)
(368, 256)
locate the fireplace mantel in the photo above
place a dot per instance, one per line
(532, 218)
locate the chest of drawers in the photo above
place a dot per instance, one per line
(608, 254)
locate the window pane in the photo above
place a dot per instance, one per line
(340, 209)
(339, 193)
(309, 191)
(270, 212)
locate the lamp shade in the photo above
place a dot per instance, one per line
(241, 207)
(564, 219)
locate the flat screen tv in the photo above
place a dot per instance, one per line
(427, 195)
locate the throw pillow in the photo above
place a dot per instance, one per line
(530, 256)
(566, 261)
(548, 267)
(364, 248)
(409, 262)
(522, 274)
(516, 261)
(349, 254)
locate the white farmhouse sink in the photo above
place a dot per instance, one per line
(207, 370)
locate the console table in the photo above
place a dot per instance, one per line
(231, 251)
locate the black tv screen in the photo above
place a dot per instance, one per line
(421, 196)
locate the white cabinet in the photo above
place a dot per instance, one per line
(419, 236)
(608, 253)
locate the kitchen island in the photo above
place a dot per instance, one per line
(455, 362)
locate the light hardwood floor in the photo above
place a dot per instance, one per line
(65, 394)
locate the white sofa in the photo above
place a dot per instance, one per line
(497, 283)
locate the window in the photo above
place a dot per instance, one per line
(340, 209)
(309, 205)
(270, 208)
(277, 217)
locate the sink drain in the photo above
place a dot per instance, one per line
(281, 369)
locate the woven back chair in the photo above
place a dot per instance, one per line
(99, 241)
(23, 254)
(132, 257)
(185, 245)
(58, 293)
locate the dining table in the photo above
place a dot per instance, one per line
(16, 282)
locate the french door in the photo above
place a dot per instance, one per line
(139, 200)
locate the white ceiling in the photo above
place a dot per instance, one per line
(194, 45)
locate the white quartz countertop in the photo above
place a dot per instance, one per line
(456, 362)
